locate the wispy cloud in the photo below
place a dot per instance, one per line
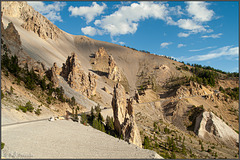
(50, 11)
(196, 50)
(181, 34)
(224, 51)
(181, 45)
(212, 36)
(165, 44)
(88, 12)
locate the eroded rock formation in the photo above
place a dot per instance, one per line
(113, 71)
(137, 97)
(12, 34)
(105, 64)
(11, 43)
(208, 125)
(194, 89)
(101, 53)
(54, 72)
(33, 20)
(124, 119)
(76, 78)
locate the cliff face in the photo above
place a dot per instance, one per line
(32, 20)
(124, 119)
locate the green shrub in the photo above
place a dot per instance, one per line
(49, 100)
(22, 108)
(84, 119)
(146, 143)
(29, 106)
(202, 148)
(11, 90)
(109, 123)
(2, 145)
(38, 111)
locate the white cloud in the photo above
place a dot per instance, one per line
(212, 36)
(165, 44)
(224, 51)
(181, 45)
(50, 11)
(199, 11)
(196, 50)
(89, 31)
(189, 24)
(181, 34)
(125, 20)
(88, 12)
(177, 10)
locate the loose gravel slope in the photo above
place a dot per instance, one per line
(65, 139)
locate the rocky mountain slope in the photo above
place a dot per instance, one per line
(151, 98)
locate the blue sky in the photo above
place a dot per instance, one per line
(202, 32)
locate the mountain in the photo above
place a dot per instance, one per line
(170, 99)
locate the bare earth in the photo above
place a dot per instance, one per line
(65, 139)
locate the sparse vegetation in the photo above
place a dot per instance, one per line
(2, 145)
(2, 95)
(146, 143)
(28, 107)
(38, 111)
(233, 93)
(84, 119)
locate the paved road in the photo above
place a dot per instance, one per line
(4, 125)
